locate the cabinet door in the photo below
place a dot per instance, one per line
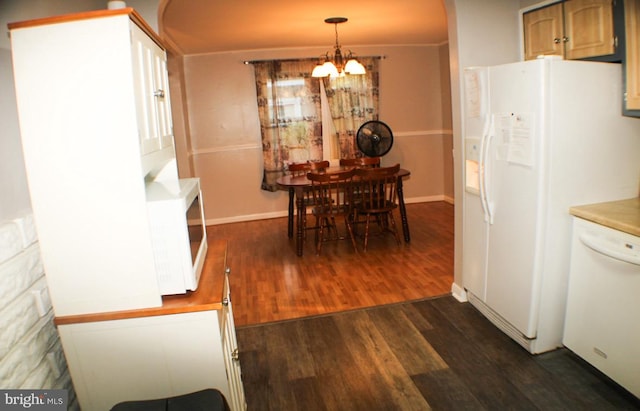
(237, 400)
(144, 358)
(162, 98)
(632, 59)
(588, 28)
(543, 32)
(152, 92)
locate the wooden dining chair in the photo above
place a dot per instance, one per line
(360, 162)
(378, 199)
(332, 199)
(301, 170)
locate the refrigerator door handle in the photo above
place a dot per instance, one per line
(481, 181)
(484, 154)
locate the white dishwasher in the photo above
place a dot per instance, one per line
(602, 323)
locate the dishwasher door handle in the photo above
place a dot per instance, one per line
(599, 247)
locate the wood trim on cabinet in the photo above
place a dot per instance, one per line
(208, 296)
(632, 58)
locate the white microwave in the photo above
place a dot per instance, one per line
(178, 233)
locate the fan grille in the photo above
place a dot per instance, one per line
(374, 138)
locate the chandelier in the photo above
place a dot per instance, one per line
(334, 66)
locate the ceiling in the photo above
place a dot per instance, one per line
(210, 26)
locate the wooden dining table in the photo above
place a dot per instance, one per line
(296, 186)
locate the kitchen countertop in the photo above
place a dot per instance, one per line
(208, 296)
(622, 215)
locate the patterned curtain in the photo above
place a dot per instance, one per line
(353, 100)
(290, 115)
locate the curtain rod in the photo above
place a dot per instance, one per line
(304, 58)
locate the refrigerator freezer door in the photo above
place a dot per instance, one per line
(474, 244)
(474, 227)
(514, 171)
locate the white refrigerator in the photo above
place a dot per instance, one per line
(540, 136)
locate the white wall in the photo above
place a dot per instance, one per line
(13, 180)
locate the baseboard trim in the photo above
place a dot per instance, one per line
(459, 293)
(246, 217)
(429, 199)
(502, 324)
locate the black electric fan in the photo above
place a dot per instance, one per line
(374, 138)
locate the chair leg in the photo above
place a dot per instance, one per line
(366, 231)
(306, 228)
(317, 229)
(385, 222)
(319, 237)
(321, 224)
(395, 228)
(350, 230)
(333, 228)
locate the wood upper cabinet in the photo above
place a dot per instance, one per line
(544, 32)
(588, 28)
(632, 58)
(575, 29)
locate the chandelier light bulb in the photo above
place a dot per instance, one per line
(354, 67)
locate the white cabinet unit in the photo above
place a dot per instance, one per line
(187, 345)
(143, 358)
(230, 351)
(95, 123)
(95, 120)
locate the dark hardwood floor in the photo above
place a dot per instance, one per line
(433, 354)
(379, 330)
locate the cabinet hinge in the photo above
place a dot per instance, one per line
(615, 42)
